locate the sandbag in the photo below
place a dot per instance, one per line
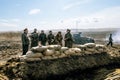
(90, 50)
(49, 52)
(90, 45)
(100, 48)
(69, 52)
(62, 55)
(55, 47)
(39, 49)
(82, 47)
(64, 49)
(57, 53)
(30, 54)
(87, 52)
(76, 50)
(32, 59)
(47, 57)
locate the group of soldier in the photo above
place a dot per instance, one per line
(42, 39)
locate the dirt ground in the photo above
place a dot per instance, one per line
(10, 46)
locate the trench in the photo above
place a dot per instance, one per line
(94, 73)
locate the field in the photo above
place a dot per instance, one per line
(10, 46)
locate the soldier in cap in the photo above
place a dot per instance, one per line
(25, 41)
(68, 39)
(50, 38)
(42, 38)
(34, 38)
(110, 40)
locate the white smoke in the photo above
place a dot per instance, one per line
(116, 37)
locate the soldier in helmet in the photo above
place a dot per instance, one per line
(58, 38)
(50, 38)
(42, 38)
(110, 40)
(68, 39)
(34, 38)
(25, 41)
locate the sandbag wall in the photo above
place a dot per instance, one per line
(56, 51)
(34, 67)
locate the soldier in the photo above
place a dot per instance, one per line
(68, 39)
(42, 38)
(110, 41)
(25, 41)
(58, 38)
(50, 38)
(34, 38)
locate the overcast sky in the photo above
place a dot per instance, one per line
(59, 14)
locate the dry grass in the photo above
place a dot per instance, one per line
(12, 36)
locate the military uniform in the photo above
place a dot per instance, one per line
(25, 43)
(58, 39)
(110, 41)
(50, 39)
(43, 38)
(34, 39)
(68, 40)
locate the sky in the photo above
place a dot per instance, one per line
(15, 15)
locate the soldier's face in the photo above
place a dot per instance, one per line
(26, 31)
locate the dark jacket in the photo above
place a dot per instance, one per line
(25, 40)
(43, 38)
(34, 39)
(68, 40)
(50, 39)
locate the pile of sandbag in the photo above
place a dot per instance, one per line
(56, 51)
(46, 52)
(91, 48)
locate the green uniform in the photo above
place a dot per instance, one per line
(50, 39)
(58, 39)
(43, 38)
(25, 43)
(68, 40)
(110, 41)
(34, 39)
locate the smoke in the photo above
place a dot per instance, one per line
(116, 37)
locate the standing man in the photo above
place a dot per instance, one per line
(25, 41)
(34, 38)
(58, 38)
(42, 38)
(68, 39)
(50, 38)
(110, 41)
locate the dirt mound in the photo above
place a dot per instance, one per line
(42, 69)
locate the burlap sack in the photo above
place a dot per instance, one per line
(92, 50)
(76, 50)
(90, 45)
(47, 57)
(55, 47)
(49, 52)
(39, 49)
(82, 47)
(100, 48)
(69, 52)
(57, 53)
(32, 59)
(63, 49)
(62, 55)
(30, 54)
